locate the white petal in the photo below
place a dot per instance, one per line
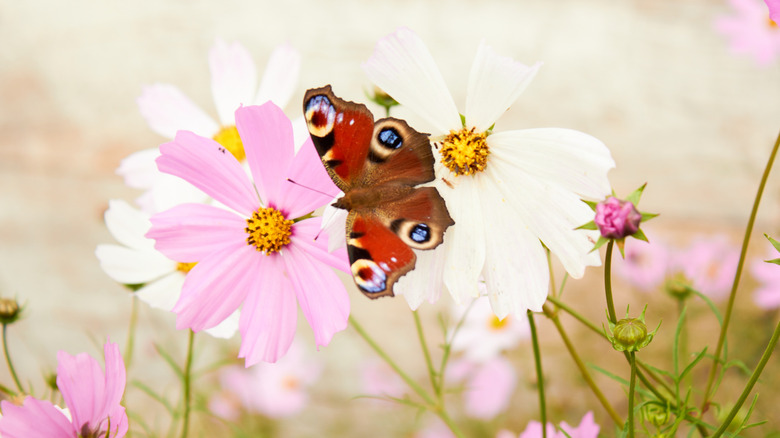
(333, 224)
(168, 110)
(551, 213)
(424, 282)
(403, 67)
(280, 77)
(300, 132)
(129, 266)
(464, 241)
(139, 169)
(233, 79)
(516, 272)
(170, 191)
(162, 293)
(572, 159)
(128, 225)
(227, 328)
(495, 82)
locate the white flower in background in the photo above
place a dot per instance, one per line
(508, 192)
(483, 336)
(136, 261)
(168, 110)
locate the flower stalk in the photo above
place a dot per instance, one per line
(8, 360)
(186, 378)
(539, 375)
(631, 390)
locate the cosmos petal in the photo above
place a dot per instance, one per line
(309, 236)
(268, 142)
(465, 252)
(321, 295)
(227, 328)
(269, 315)
(280, 76)
(189, 233)
(130, 266)
(163, 293)
(571, 159)
(424, 282)
(128, 225)
(206, 165)
(168, 110)
(139, 169)
(233, 79)
(402, 66)
(34, 419)
(495, 82)
(312, 187)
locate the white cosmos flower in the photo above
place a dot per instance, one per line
(482, 336)
(508, 192)
(168, 110)
(136, 261)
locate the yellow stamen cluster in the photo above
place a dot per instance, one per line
(229, 139)
(185, 268)
(496, 324)
(268, 230)
(465, 152)
(772, 24)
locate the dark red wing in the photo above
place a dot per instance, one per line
(341, 132)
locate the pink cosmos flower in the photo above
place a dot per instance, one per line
(91, 395)
(616, 218)
(768, 274)
(586, 429)
(645, 265)
(274, 390)
(710, 264)
(488, 386)
(751, 30)
(379, 380)
(262, 255)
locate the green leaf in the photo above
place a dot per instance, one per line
(644, 392)
(693, 363)
(676, 343)
(150, 392)
(636, 195)
(169, 360)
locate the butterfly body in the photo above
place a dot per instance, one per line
(377, 166)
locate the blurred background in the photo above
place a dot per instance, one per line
(678, 108)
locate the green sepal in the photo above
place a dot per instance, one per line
(462, 120)
(591, 204)
(621, 243)
(774, 242)
(589, 226)
(599, 243)
(647, 216)
(775, 261)
(640, 235)
(636, 195)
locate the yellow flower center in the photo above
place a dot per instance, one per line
(185, 268)
(229, 139)
(268, 230)
(496, 324)
(772, 24)
(465, 152)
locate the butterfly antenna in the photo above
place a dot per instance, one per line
(311, 188)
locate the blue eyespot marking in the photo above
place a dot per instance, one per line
(390, 138)
(421, 233)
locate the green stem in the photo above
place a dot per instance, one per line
(631, 390)
(552, 285)
(8, 360)
(753, 379)
(584, 370)
(427, 354)
(575, 314)
(130, 343)
(539, 375)
(187, 386)
(733, 294)
(608, 282)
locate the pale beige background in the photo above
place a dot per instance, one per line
(651, 79)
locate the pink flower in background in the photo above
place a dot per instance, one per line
(645, 265)
(256, 256)
(379, 380)
(91, 395)
(168, 110)
(710, 264)
(488, 386)
(768, 274)
(616, 218)
(751, 30)
(774, 10)
(483, 336)
(586, 429)
(274, 390)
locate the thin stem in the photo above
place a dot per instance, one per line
(8, 360)
(448, 421)
(187, 386)
(426, 353)
(552, 284)
(584, 370)
(130, 343)
(631, 389)
(575, 314)
(733, 294)
(753, 379)
(539, 375)
(608, 282)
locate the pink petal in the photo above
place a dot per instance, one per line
(774, 10)
(115, 377)
(216, 286)
(586, 429)
(206, 165)
(308, 235)
(168, 110)
(191, 232)
(233, 78)
(321, 295)
(269, 314)
(34, 419)
(280, 76)
(138, 169)
(313, 187)
(268, 142)
(489, 390)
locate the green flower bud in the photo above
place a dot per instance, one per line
(630, 334)
(9, 311)
(679, 287)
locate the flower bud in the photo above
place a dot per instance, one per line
(617, 219)
(630, 334)
(9, 311)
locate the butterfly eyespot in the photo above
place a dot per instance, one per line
(320, 115)
(369, 276)
(421, 233)
(390, 138)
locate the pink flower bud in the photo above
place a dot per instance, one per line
(617, 219)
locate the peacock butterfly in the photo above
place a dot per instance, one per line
(377, 166)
